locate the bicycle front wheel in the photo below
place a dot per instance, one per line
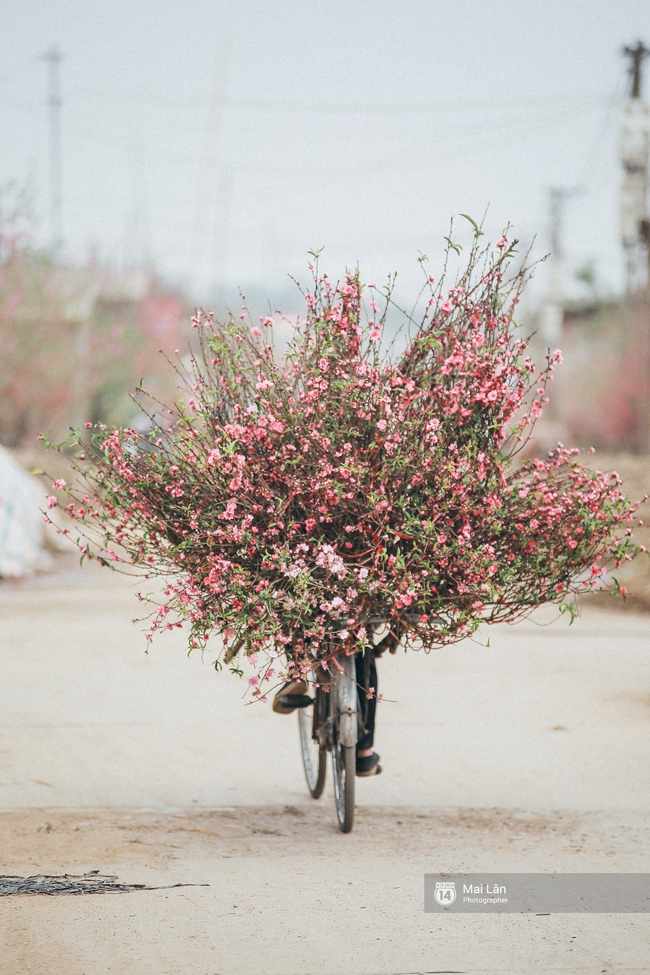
(344, 760)
(344, 733)
(313, 750)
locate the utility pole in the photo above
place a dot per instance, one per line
(635, 158)
(553, 311)
(635, 226)
(636, 56)
(53, 59)
(210, 218)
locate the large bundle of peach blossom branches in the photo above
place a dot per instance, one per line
(294, 506)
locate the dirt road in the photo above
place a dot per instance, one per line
(529, 755)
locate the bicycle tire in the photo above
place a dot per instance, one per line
(313, 751)
(344, 760)
(343, 705)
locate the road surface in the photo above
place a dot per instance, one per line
(531, 754)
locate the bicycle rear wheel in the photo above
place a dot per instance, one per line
(313, 749)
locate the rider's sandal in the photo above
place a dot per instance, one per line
(368, 765)
(293, 695)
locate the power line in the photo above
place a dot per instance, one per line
(5, 79)
(341, 108)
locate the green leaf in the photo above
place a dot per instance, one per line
(455, 247)
(477, 230)
(616, 589)
(569, 608)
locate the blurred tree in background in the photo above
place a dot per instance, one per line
(75, 341)
(603, 389)
(36, 343)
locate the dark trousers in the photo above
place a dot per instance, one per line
(366, 668)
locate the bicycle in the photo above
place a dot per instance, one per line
(332, 726)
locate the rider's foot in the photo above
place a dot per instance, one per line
(368, 765)
(293, 695)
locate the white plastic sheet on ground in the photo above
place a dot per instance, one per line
(21, 521)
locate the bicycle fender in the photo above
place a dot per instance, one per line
(349, 726)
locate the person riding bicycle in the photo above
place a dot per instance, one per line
(294, 694)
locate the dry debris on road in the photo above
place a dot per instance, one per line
(87, 883)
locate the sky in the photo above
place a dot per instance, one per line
(222, 141)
